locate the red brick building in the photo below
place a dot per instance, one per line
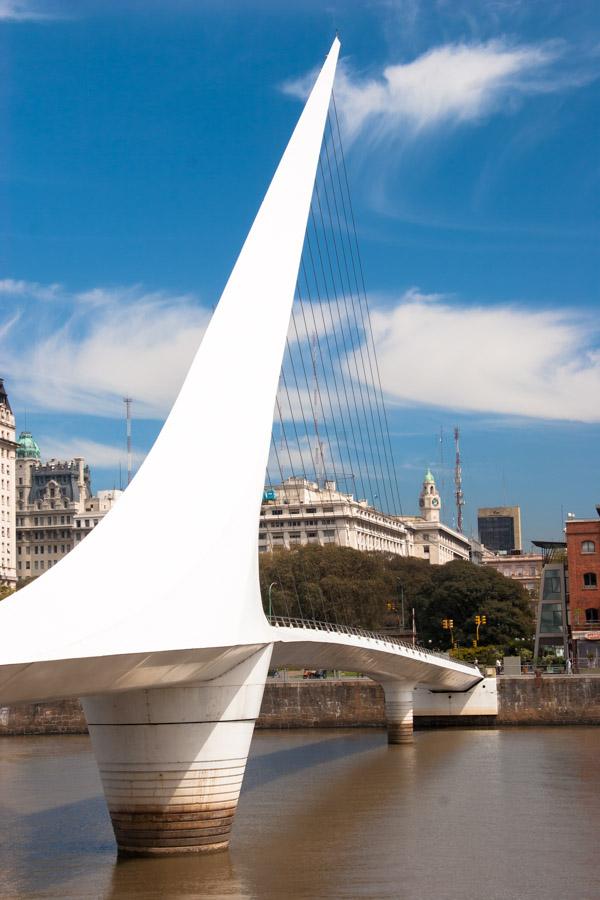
(583, 555)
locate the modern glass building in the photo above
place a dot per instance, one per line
(552, 629)
(500, 528)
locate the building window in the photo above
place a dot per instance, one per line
(294, 512)
(276, 512)
(590, 580)
(311, 509)
(588, 547)
(426, 548)
(591, 615)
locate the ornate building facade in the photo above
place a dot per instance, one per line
(55, 508)
(8, 547)
(298, 511)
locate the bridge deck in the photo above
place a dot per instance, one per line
(322, 645)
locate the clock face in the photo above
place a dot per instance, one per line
(421, 502)
(435, 502)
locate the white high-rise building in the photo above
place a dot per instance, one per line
(8, 546)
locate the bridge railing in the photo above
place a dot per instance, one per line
(313, 624)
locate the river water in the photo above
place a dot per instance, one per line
(510, 814)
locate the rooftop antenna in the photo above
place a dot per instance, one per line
(443, 473)
(320, 453)
(128, 401)
(458, 495)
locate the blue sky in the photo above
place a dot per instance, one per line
(137, 139)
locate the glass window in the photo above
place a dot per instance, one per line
(552, 586)
(590, 580)
(551, 618)
(591, 615)
(588, 547)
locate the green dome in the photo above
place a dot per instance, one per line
(27, 447)
(429, 479)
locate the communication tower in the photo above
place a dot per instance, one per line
(458, 495)
(128, 401)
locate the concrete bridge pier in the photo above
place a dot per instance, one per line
(172, 759)
(399, 703)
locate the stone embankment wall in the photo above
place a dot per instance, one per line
(524, 700)
(322, 704)
(549, 700)
(59, 717)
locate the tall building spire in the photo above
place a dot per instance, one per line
(429, 499)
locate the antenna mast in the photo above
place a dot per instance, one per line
(128, 401)
(459, 496)
(320, 453)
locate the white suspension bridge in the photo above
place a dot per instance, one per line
(171, 679)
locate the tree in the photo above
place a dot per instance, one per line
(346, 586)
(461, 590)
(5, 591)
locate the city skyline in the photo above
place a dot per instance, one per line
(476, 203)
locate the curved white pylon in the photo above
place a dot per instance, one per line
(174, 565)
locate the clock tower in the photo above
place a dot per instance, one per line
(429, 499)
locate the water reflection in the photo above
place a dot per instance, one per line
(459, 814)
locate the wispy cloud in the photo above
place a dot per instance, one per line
(103, 456)
(543, 364)
(84, 353)
(449, 85)
(24, 11)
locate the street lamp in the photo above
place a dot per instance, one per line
(271, 586)
(401, 600)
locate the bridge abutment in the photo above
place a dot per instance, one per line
(172, 759)
(399, 704)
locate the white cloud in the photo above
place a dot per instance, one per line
(451, 84)
(21, 11)
(108, 344)
(103, 456)
(502, 359)
(17, 288)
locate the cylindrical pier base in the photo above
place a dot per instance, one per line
(172, 759)
(399, 711)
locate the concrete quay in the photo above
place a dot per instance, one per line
(349, 703)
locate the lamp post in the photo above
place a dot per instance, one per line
(401, 601)
(271, 586)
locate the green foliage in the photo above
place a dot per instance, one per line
(485, 656)
(338, 584)
(5, 591)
